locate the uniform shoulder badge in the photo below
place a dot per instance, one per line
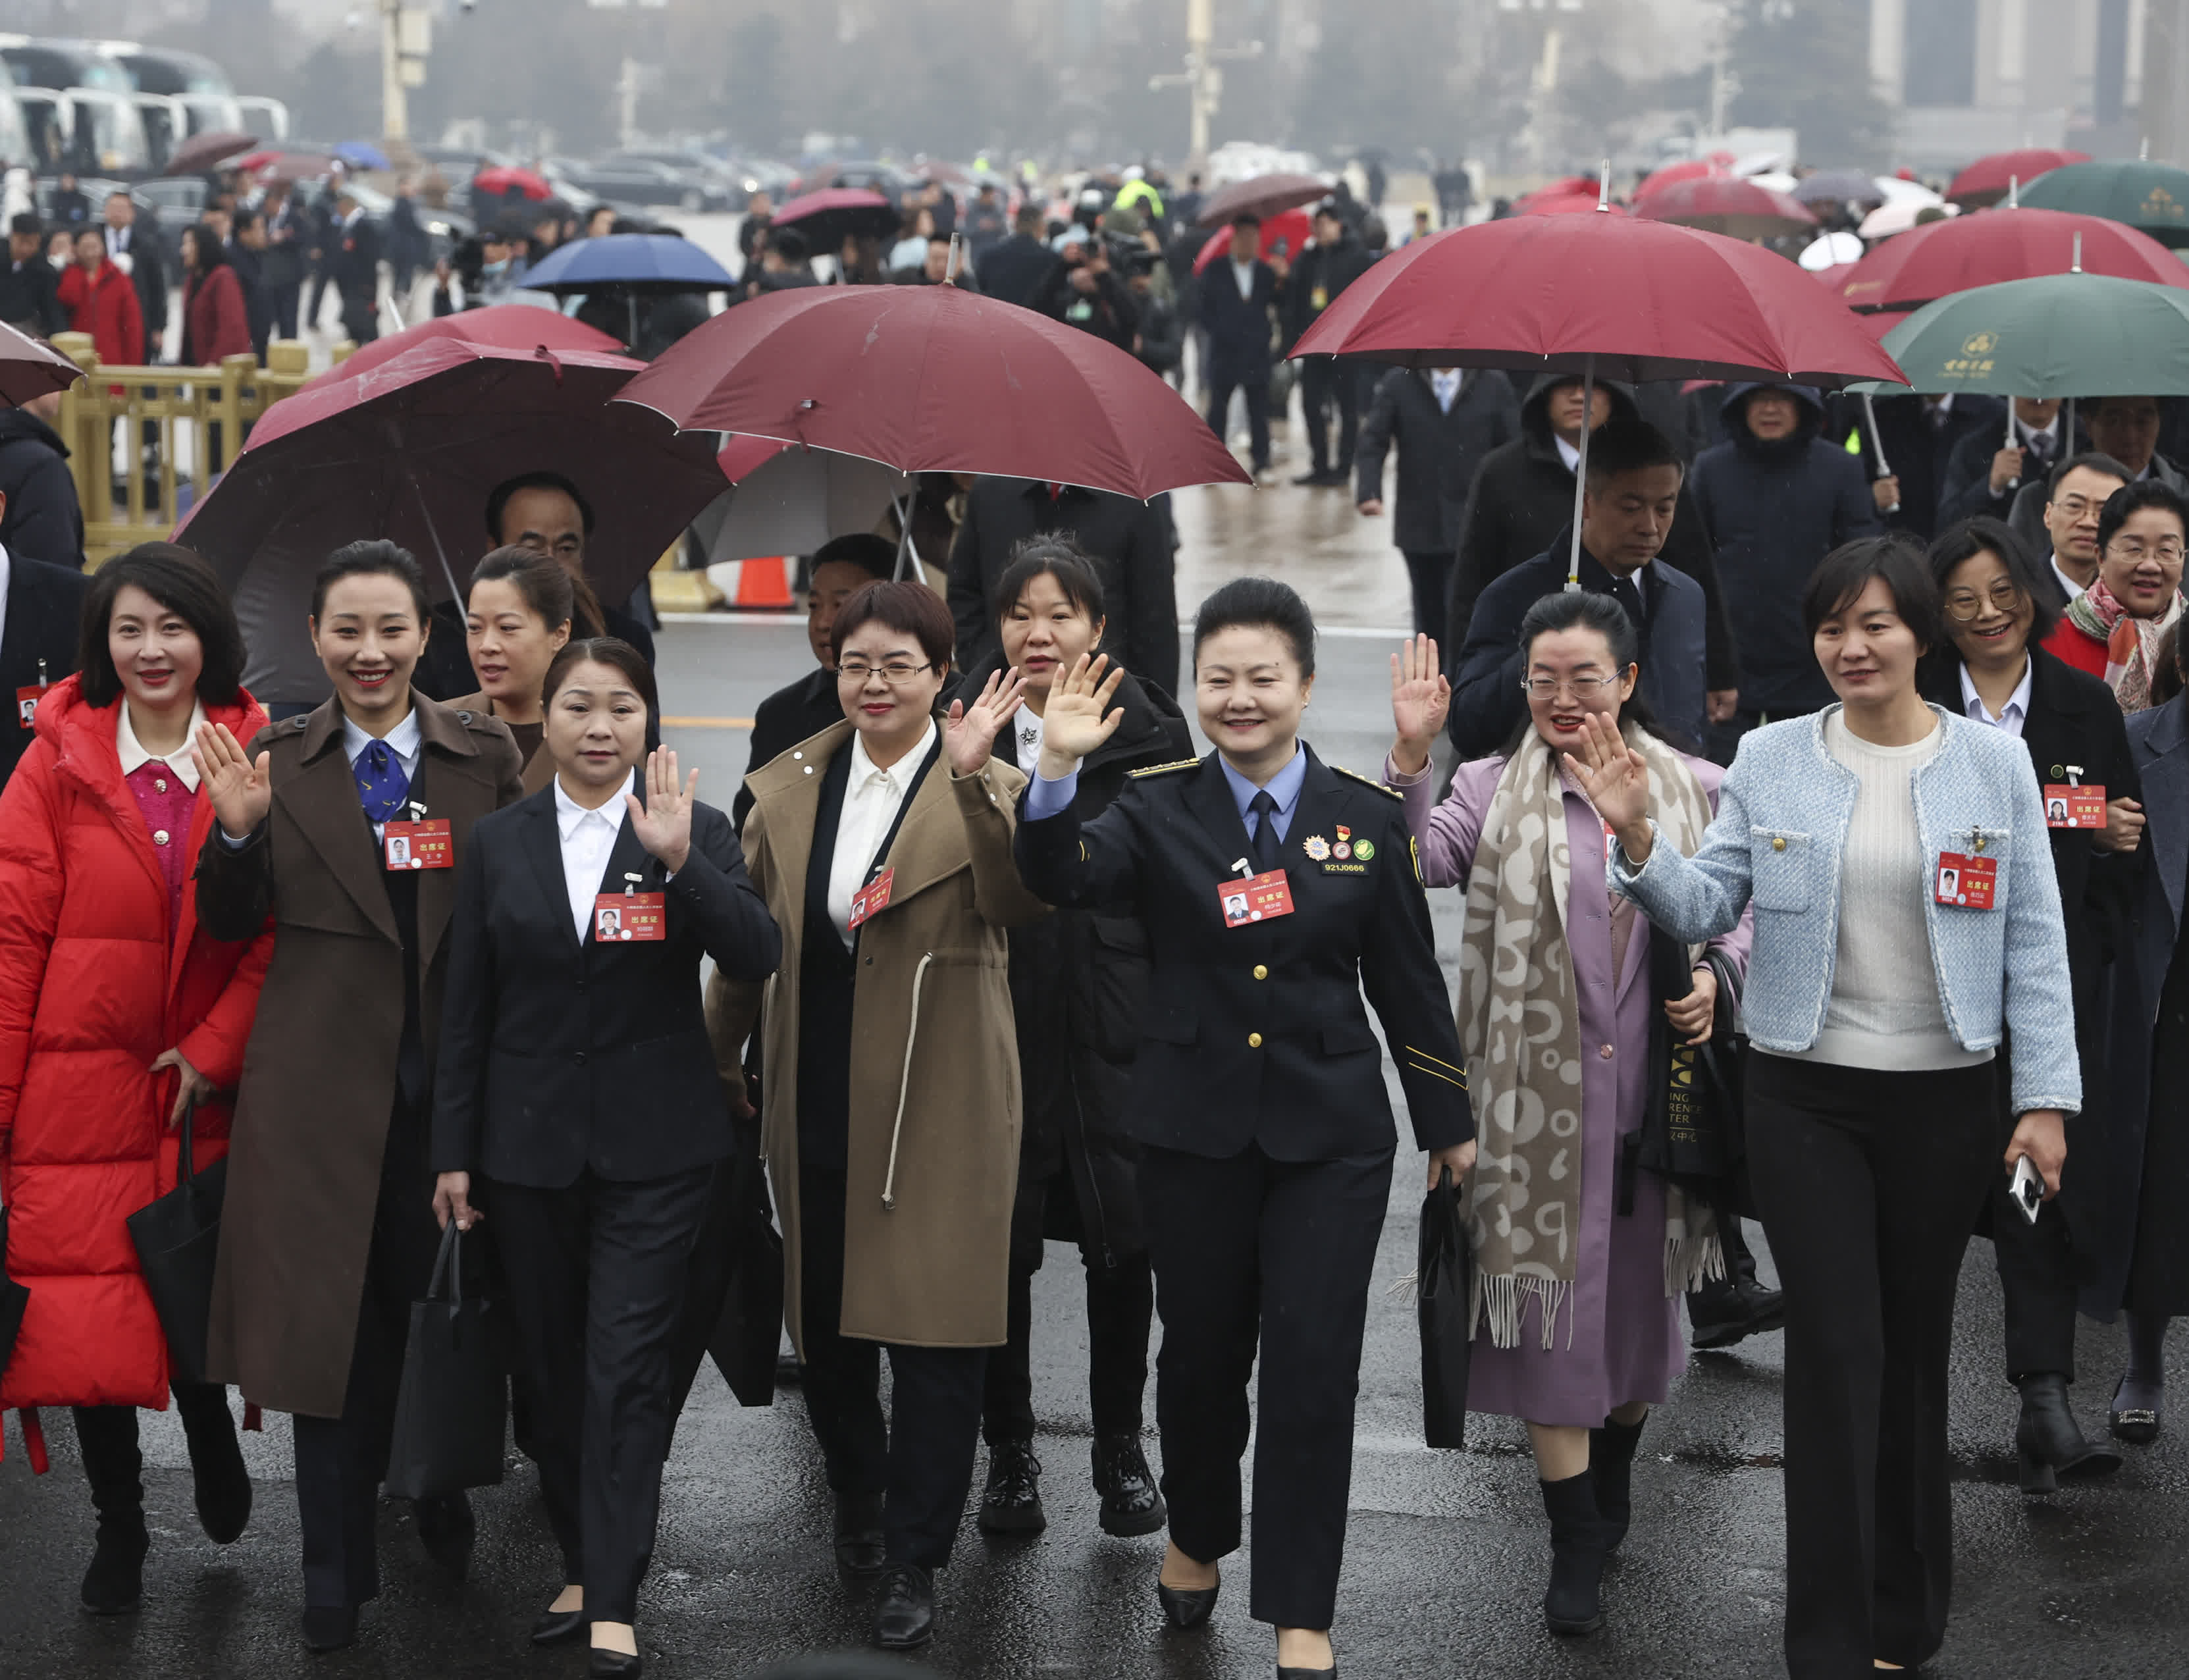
(1369, 782)
(1164, 769)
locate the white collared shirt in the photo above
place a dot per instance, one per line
(588, 838)
(2012, 714)
(2067, 583)
(872, 798)
(1569, 453)
(7, 571)
(403, 740)
(1243, 276)
(133, 757)
(1445, 382)
(1027, 731)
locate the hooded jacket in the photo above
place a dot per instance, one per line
(1773, 509)
(1524, 496)
(44, 520)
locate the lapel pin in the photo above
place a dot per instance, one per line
(1344, 849)
(1316, 847)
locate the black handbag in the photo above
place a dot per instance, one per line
(1691, 1134)
(14, 1298)
(1444, 1303)
(449, 1409)
(178, 1238)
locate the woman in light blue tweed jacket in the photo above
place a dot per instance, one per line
(1906, 917)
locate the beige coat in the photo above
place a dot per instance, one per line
(539, 769)
(934, 1057)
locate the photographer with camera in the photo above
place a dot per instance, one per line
(1083, 289)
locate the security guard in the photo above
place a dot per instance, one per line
(1273, 889)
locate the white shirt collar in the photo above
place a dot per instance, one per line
(2030, 432)
(571, 816)
(2013, 713)
(1569, 453)
(403, 740)
(2067, 582)
(899, 776)
(134, 756)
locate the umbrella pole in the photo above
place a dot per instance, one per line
(631, 301)
(1876, 443)
(897, 573)
(456, 591)
(1581, 466)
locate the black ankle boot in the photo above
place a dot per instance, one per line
(222, 1484)
(1012, 1504)
(2048, 1440)
(114, 1585)
(1575, 1603)
(1132, 1504)
(1611, 1461)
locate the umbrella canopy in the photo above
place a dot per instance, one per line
(934, 379)
(506, 178)
(1986, 181)
(1687, 169)
(790, 501)
(201, 151)
(362, 155)
(1888, 220)
(29, 369)
(1263, 197)
(1942, 257)
(1290, 229)
(288, 165)
(508, 326)
(628, 262)
(1831, 250)
(1837, 186)
(2151, 196)
(1564, 187)
(1722, 205)
(410, 448)
(2056, 336)
(830, 216)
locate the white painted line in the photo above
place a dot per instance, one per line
(797, 621)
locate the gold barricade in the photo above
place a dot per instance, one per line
(155, 410)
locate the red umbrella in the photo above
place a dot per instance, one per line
(1565, 187)
(510, 326)
(1942, 257)
(1566, 203)
(1292, 230)
(828, 216)
(1264, 196)
(506, 178)
(1687, 169)
(1986, 181)
(29, 368)
(288, 165)
(201, 151)
(1725, 205)
(934, 379)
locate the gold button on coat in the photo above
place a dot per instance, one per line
(1260, 972)
(1253, 1041)
(1777, 842)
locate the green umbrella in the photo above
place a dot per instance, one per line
(2151, 196)
(2072, 335)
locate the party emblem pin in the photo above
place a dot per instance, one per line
(1316, 847)
(1344, 849)
(1365, 850)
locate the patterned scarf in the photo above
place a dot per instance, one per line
(1521, 1028)
(2131, 643)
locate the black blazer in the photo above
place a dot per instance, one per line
(1258, 1034)
(558, 1057)
(44, 603)
(1238, 328)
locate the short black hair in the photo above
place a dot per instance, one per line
(909, 608)
(788, 244)
(2134, 498)
(1847, 571)
(1963, 541)
(2097, 460)
(25, 222)
(1059, 555)
(375, 556)
(1262, 603)
(1629, 446)
(498, 502)
(185, 585)
(875, 556)
(1245, 219)
(608, 650)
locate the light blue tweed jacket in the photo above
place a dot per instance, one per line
(1782, 820)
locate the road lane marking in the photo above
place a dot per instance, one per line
(706, 723)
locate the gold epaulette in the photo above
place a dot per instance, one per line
(1369, 782)
(1165, 769)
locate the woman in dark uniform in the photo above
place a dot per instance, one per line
(1258, 1095)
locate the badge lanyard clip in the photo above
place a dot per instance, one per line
(1242, 869)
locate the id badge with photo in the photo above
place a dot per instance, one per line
(424, 844)
(2070, 806)
(1258, 898)
(1966, 882)
(872, 897)
(627, 916)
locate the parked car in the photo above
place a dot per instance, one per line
(637, 180)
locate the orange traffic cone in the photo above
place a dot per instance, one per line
(763, 585)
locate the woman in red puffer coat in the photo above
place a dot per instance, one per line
(114, 1012)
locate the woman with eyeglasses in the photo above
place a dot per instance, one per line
(1994, 673)
(2112, 630)
(889, 1113)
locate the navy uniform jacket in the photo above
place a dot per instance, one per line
(1258, 1034)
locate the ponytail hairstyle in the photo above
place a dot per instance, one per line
(553, 592)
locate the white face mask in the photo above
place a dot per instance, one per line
(492, 268)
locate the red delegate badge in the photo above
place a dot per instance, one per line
(872, 897)
(419, 846)
(2067, 806)
(1258, 898)
(1966, 882)
(627, 916)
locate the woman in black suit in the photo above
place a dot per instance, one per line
(575, 1076)
(1258, 1094)
(1996, 672)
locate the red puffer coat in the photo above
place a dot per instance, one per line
(91, 992)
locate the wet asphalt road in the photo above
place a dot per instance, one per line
(1447, 1551)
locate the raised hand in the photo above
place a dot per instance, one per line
(1615, 778)
(1077, 718)
(1421, 700)
(664, 824)
(970, 736)
(241, 792)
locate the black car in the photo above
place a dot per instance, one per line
(639, 180)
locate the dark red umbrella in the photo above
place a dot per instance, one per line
(288, 165)
(1725, 204)
(830, 216)
(1284, 235)
(1987, 180)
(930, 378)
(505, 178)
(29, 368)
(1942, 257)
(1564, 187)
(510, 326)
(1687, 169)
(201, 151)
(1263, 196)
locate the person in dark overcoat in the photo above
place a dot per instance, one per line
(1235, 306)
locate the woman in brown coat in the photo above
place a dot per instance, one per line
(522, 609)
(892, 1101)
(328, 1233)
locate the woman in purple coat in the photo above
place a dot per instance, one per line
(1577, 1329)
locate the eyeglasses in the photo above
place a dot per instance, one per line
(896, 673)
(2079, 506)
(2134, 551)
(1580, 687)
(1965, 606)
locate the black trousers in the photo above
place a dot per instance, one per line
(1429, 571)
(1248, 1250)
(596, 1274)
(920, 1458)
(2037, 1276)
(341, 1461)
(288, 303)
(106, 1436)
(1257, 415)
(1121, 1304)
(1328, 384)
(1869, 1184)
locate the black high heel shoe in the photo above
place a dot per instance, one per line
(1188, 1607)
(554, 1627)
(2048, 1442)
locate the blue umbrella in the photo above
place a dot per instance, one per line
(629, 262)
(362, 155)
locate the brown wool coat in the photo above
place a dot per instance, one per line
(539, 769)
(319, 1075)
(929, 1271)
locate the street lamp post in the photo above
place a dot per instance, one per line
(406, 41)
(1202, 80)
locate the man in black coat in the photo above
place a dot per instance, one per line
(407, 241)
(1918, 435)
(1083, 290)
(1015, 269)
(38, 640)
(71, 207)
(2124, 428)
(353, 268)
(1235, 304)
(1445, 421)
(138, 238)
(1333, 262)
(29, 296)
(1131, 544)
(246, 256)
(1985, 472)
(40, 517)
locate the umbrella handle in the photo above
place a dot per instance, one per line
(1581, 466)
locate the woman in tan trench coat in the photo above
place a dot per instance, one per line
(892, 1098)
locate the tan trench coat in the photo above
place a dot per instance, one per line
(934, 1055)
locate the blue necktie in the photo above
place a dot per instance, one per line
(382, 783)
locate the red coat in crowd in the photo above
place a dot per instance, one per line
(92, 990)
(104, 304)
(214, 324)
